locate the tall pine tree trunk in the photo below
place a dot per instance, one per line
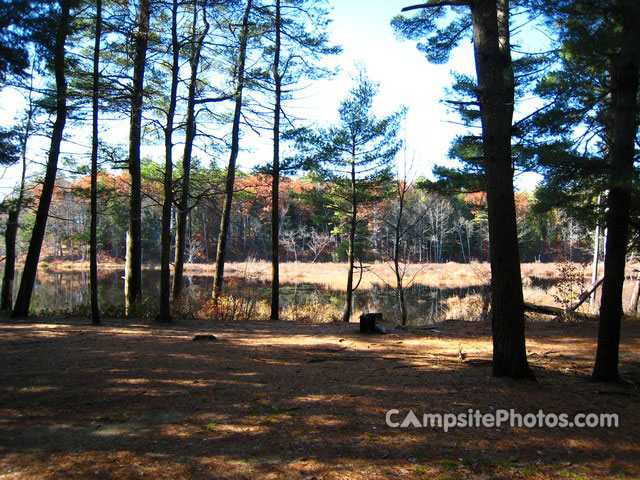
(225, 221)
(625, 74)
(13, 222)
(10, 259)
(353, 223)
(275, 212)
(596, 255)
(133, 267)
(23, 301)
(495, 94)
(164, 315)
(93, 229)
(190, 134)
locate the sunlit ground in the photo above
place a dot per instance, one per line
(283, 400)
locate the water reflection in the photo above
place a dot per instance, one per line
(65, 290)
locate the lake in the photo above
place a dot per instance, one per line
(64, 290)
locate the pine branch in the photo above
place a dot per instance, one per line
(438, 3)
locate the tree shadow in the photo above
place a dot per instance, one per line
(293, 401)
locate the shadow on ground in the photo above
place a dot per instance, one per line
(280, 400)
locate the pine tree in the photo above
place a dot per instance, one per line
(23, 300)
(489, 23)
(355, 157)
(599, 42)
(133, 268)
(225, 219)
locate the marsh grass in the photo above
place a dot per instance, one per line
(235, 309)
(544, 284)
(311, 311)
(468, 308)
(333, 275)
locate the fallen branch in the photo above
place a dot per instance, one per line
(584, 296)
(559, 312)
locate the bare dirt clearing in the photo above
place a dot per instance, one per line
(283, 400)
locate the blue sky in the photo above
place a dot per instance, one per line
(406, 78)
(363, 30)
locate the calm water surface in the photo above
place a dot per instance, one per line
(65, 290)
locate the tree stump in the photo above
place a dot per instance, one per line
(368, 322)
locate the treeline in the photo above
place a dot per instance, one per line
(442, 228)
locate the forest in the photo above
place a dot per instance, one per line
(441, 228)
(163, 181)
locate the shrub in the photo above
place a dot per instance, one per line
(311, 311)
(571, 284)
(233, 308)
(464, 308)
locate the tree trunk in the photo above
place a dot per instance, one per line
(23, 301)
(190, 135)
(633, 307)
(625, 73)
(133, 268)
(353, 222)
(10, 260)
(13, 222)
(596, 255)
(93, 229)
(165, 236)
(495, 94)
(205, 239)
(275, 212)
(396, 255)
(225, 220)
(399, 285)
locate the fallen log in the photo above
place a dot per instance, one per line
(557, 311)
(585, 295)
(560, 312)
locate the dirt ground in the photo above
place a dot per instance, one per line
(289, 401)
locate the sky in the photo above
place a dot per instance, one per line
(362, 28)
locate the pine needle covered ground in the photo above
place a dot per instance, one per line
(284, 400)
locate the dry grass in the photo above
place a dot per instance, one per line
(312, 312)
(444, 275)
(333, 275)
(469, 308)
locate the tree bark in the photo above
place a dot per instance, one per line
(633, 307)
(23, 301)
(133, 267)
(625, 74)
(165, 236)
(275, 185)
(225, 220)
(93, 229)
(495, 95)
(13, 222)
(190, 134)
(402, 191)
(596, 254)
(10, 260)
(353, 222)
